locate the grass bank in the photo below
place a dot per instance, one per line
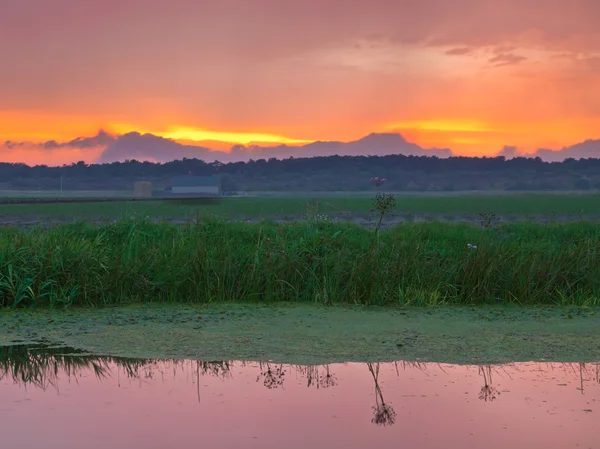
(314, 334)
(424, 264)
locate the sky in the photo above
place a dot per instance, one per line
(470, 75)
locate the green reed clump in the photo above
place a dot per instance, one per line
(411, 264)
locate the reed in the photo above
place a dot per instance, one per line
(428, 264)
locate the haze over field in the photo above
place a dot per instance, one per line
(276, 78)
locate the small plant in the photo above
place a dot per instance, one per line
(383, 203)
(488, 219)
(320, 218)
(312, 211)
(313, 215)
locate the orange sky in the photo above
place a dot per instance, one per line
(471, 75)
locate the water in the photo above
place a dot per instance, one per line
(60, 398)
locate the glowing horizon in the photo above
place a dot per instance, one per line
(187, 133)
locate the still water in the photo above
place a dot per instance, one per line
(60, 398)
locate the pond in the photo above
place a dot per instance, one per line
(54, 397)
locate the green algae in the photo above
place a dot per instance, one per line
(310, 334)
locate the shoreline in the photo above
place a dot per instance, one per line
(313, 334)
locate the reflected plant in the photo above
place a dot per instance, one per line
(221, 369)
(586, 371)
(328, 380)
(316, 377)
(383, 413)
(584, 374)
(40, 365)
(273, 377)
(488, 392)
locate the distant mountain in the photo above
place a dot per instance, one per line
(157, 149)
(148, 147)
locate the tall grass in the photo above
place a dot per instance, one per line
(214, 261)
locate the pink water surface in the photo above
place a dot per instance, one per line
(536, 405)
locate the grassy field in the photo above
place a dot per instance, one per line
(432, 264)
(519, 205)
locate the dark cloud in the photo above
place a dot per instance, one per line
(459, 51)
(102, 139)
(154, 148)
(503, 59)
(11, 145)
(104, 148)
(50, 145)
(584, 150)
(509, 151)
(588, 149)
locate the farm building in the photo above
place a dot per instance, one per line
(196, 185)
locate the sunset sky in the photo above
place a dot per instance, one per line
(471, 75)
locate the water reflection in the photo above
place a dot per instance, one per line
(384, 414)
(319, 376)
(488, 391)
(272, 376)
(42, 367)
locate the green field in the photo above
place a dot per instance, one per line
(518, 205)
(137, 261)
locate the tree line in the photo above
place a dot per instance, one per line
(321, 173)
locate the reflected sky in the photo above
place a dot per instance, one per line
(61, 398)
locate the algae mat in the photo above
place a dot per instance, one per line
(311, 334)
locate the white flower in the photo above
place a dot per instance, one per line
(471, 246)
